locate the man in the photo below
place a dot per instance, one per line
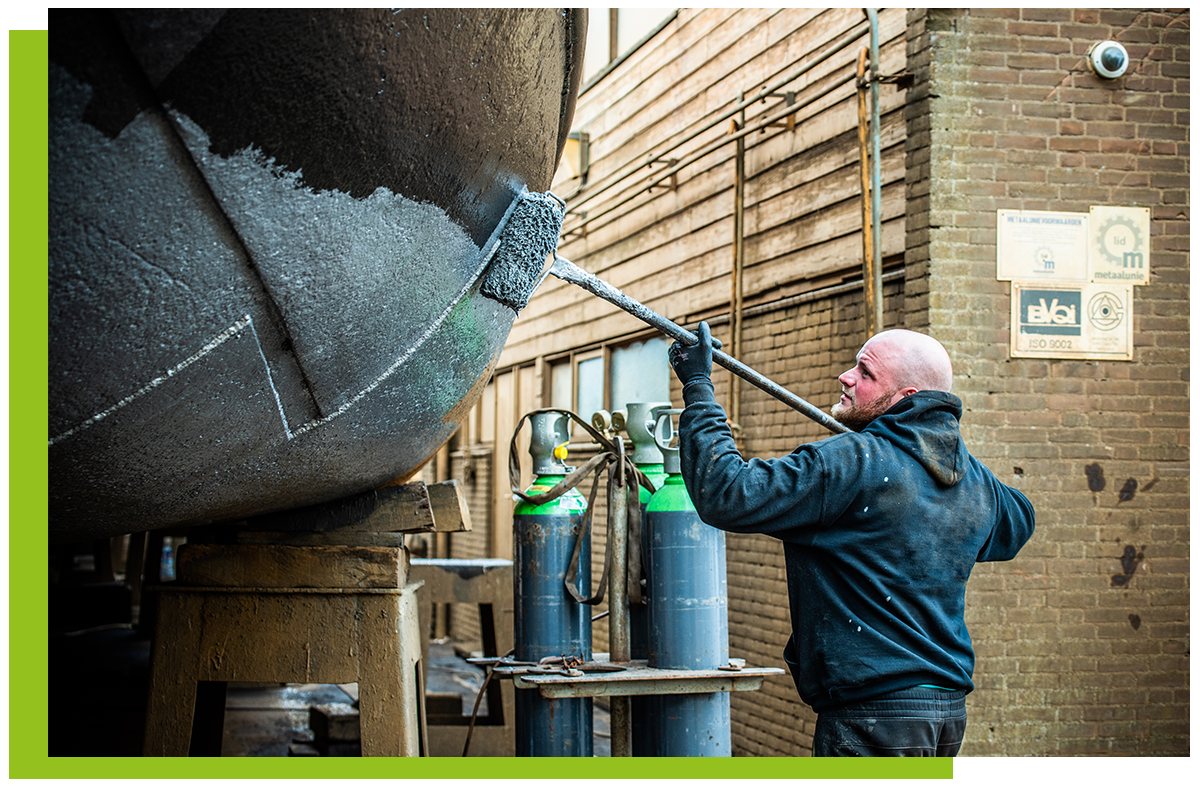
(880, 530)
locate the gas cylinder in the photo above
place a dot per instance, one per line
(546, 621)
(639, 420)
(689, 623)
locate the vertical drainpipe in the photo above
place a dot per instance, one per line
(739, 259)
(876, 286)
(870, 296)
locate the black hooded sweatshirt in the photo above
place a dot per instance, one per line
(880, 530)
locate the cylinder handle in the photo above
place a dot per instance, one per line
(661, 438)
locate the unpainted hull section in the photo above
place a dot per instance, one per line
(266, 234)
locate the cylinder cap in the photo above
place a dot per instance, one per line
(548, 443)
(640, 420)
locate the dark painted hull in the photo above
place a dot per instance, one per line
(265, 246)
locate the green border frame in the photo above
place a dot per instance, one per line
(29, 486)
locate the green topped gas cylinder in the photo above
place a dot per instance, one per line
(546, 620)
(638, 421)
(689, 623)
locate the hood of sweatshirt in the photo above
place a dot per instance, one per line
(925, 424)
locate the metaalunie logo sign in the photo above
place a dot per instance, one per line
(1045, 245)
(1051, 312)
(1072, 279)
(1120, 247)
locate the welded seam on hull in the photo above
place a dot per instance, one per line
(271, 381)
(404, 357)
(207, 349)
(246, 321)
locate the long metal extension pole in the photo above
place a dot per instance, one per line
(569, 272)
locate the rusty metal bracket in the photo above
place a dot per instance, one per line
(903, 80)
(580, 231)
(789, 122)
(674, 176)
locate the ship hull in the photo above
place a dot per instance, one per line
(266, 233)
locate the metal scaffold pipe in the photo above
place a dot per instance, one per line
(875, 286)
(620, 719)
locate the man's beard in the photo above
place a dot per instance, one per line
(859, 415)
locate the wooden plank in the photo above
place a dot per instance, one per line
(341, 537)
(686, 33)
(449, 505)
(738, 43)
(397, 508)
(653, 105)
(743, 65)
(235, 565)
(732, 63)
(640, 679)
(499, 543)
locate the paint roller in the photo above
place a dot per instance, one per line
(528, 234)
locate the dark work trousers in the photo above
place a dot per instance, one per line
(916, 722)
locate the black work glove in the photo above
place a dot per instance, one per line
(691, 362)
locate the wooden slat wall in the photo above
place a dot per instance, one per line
(673, 249)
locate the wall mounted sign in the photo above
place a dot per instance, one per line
(1041, 245)
(1120, 245)
(1072, 279)
(1072, 320)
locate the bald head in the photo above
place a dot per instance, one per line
(913, 359)
(890, 366)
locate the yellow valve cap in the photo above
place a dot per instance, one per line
(560, 452)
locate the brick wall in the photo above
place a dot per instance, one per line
(1083, 641)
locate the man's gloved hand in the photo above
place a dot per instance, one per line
(695, 361)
